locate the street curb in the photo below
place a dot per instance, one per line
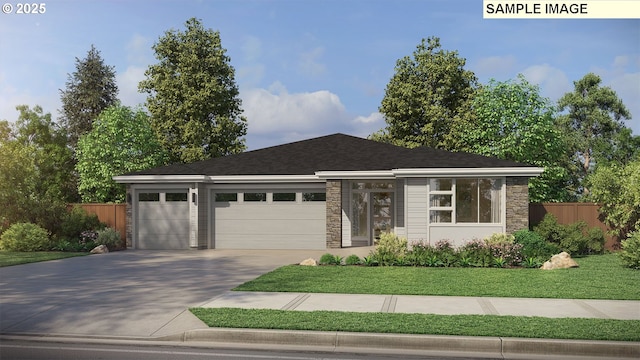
(478, 345)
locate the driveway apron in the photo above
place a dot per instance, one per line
(126, 293)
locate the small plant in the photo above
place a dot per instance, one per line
(531, 263)
(353, 259)
(327, 259)
(534, 246)
(25, 237)
(465, 261)
(109, 237)
(390, 248)
(499, 262)
(630, 254)
(499, 238)
(337, 260)
(369, 261)
(433, 261)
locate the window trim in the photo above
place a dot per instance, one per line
(453, 207)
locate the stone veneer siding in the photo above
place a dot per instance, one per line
(334, 214)
(517, 204)
(129, 217)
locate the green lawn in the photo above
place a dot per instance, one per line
(598, 277)
(8, 258)
(463, 325)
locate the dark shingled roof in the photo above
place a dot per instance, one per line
(337, 152)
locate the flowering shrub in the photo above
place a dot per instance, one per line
(390, 249)
(511, 253)
(475, 253)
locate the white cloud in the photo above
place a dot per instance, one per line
(495, 66)
(128, 86)
(10, 97)
(309, 64)
(553, 82)
(276, 116)
(138, 50)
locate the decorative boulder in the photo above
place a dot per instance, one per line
(560, 261)
(100, 249)
(309, 262)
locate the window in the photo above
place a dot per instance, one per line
(149, 196)
(476, 200)
(310, 196)
(226, 197)
(255, 196)
(284, 196)
(372, 185)
(181, 196)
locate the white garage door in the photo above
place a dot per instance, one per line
(274, 219)
(163, 219)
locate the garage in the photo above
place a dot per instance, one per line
(163, 219)
(269, 219)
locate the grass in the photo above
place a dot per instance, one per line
(463, 325)
(9, 258)
(598, 277)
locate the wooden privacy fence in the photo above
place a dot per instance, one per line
(568, 213)
(114, 215)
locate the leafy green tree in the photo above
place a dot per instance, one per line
(514, 122)
(52, 157)
(34, 171)
(192, 96)
(592, 123)
(121, 141)
(616, 188)
(90, 89)
(427, 94)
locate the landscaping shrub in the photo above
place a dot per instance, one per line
(418, 254)
(534, 246)
(353, 260)
(573, 238)
(25, 237)
(475, 253)
(504, 250)
(390, 249)
(76, 221)
(445, 253)
(630, 254)
(327, 259)
(109, 237)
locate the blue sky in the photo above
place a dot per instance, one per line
(310, 68)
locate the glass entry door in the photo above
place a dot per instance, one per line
(371, 215)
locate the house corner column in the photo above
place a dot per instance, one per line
(334, 214)
(129, 217)
(517, 207)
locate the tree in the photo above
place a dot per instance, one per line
(591, 124)
(192, 96)
(34, 172)
(616, 188)
(121, 141)
(427, 94)
(89, 90)
(52, 158)
(514, 122)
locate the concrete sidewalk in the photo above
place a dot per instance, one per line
(445, 305)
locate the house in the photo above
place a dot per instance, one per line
(327, 192)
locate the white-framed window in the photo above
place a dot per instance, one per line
(465, 200)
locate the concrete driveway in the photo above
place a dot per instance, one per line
(131, 293)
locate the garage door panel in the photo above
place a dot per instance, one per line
(258, 227)
(269, 225)
(163, 224)
(273, 242)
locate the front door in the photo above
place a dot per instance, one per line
(371, 215)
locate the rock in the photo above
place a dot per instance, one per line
(100, 249)
(309, 262)
(560, 261)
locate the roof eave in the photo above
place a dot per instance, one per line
(156, 179)
(528, 171)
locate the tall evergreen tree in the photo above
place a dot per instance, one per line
(592, 125)
(89, 90)
(193, 98)
(428, 93)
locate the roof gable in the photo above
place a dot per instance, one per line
(337, 152)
